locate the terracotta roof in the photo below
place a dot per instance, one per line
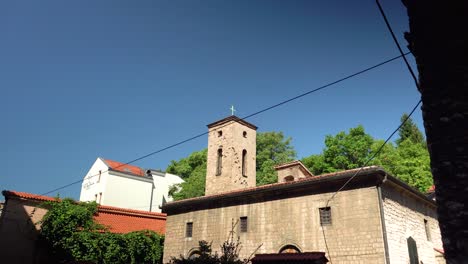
(431, 189)
(28, 196)
(232, 118)
(118, 220)
(125, 168)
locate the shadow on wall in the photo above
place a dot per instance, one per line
(19, 234)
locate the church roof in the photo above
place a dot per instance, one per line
(125, 168)
(330, 182)
(234, 119)
(118, 220)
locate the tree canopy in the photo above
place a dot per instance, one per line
(272, 149)
(407, 160)
(70, 234)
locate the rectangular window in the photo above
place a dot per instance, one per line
(100, 197)
(325, 216)
(95, 197)
(99, 177)
(243, 224)
(428, 230)
(189, 229)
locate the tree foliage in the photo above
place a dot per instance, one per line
(272, 149)
(409, 131)
(70, 233)
(408, 160)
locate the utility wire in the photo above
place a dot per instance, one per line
(413, 75)
(245, 117)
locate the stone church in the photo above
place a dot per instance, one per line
(375, 219)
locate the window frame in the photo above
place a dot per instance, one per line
(325, 216)
(243, 224)
(189, 229)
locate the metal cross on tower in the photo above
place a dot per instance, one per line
(232, 110)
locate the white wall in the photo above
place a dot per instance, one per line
(123, 190)
(92, 183)
(132, 192)
(162, 183)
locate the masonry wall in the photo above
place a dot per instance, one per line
(232, 142)
(404, 216)
(19, 232)
(355, 235)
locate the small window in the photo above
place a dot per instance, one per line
(220, 133)
(99, 176)
(244, 163)
(244, 134)
(95, 197)
(289, 178)
(243, 224)
(219, 162)
(189, 229)
(325, 216)
(428, 230)
(100, 197)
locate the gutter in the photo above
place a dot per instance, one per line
(382, 219)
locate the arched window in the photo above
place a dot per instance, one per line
(194, 254)
(219, 162)
(412, 250)
(289, 249)
(289, 178)
(244, 163)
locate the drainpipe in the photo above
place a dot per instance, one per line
(151, 200)
(382, 219)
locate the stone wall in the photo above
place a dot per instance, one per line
(404, 216)
(355, 235)
(19, 231)
(232, 141)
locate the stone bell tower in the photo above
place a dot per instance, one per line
(231, 155)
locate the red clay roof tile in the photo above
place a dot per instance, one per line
(126, 168)
(118, 220)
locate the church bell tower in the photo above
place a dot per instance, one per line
(231, 155)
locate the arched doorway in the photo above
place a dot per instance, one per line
(289, 249)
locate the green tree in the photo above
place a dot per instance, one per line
(408, 160)
(410, 131)
(272, 149)
(70, 234)
(342, 151)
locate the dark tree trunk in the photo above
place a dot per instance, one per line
(438, 39)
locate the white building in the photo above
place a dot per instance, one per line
(122, 185)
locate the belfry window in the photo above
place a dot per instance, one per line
(244, 163)
(219, 162)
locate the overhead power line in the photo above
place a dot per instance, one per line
(413, 75)
(245, 117)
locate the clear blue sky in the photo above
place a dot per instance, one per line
(120, 79)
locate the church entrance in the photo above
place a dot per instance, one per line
(287, 258)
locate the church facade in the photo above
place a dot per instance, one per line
(375, 219)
